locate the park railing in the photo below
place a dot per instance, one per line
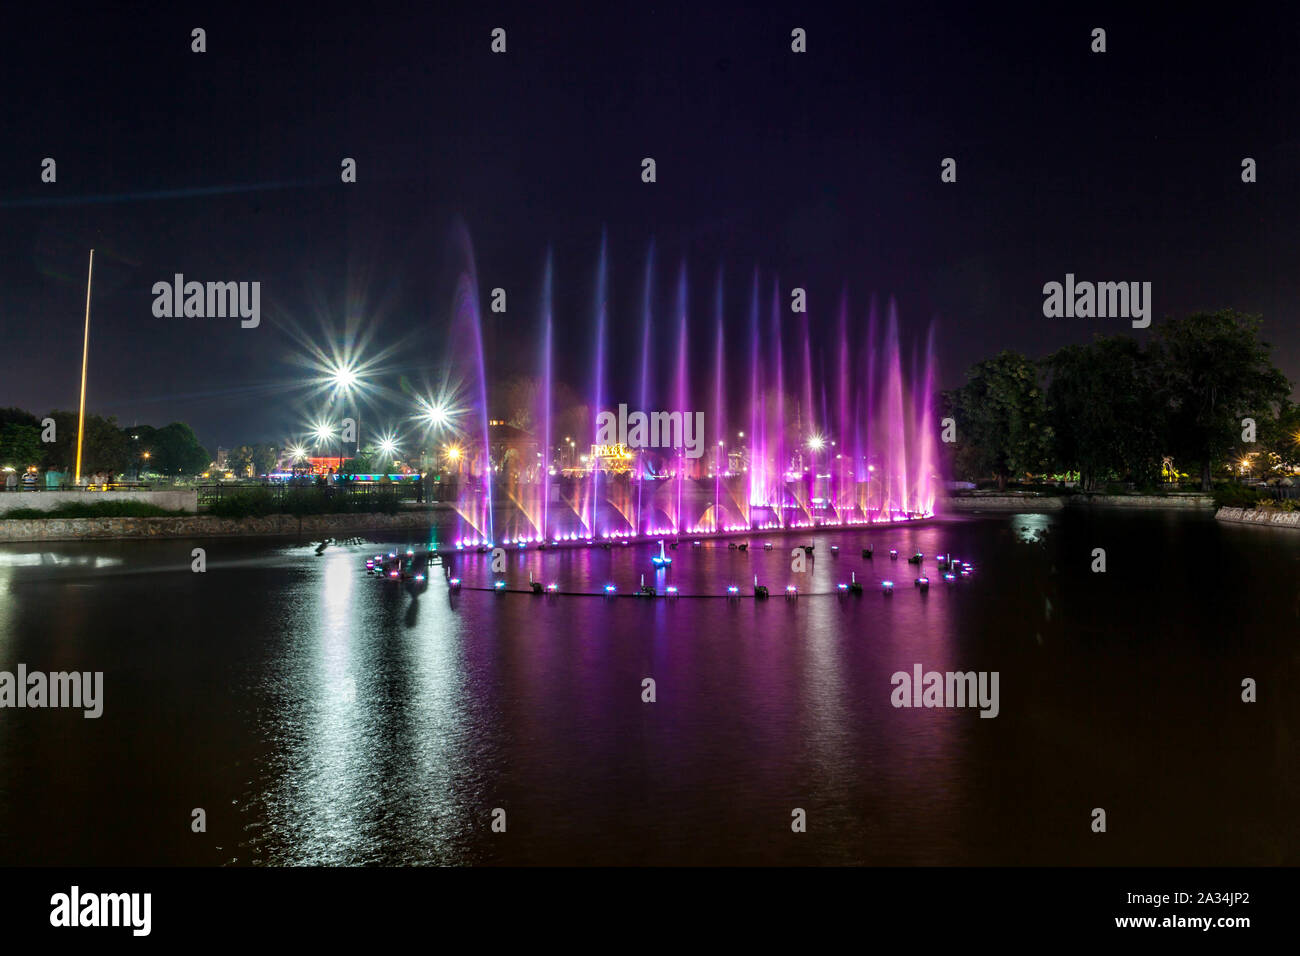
(88, 486)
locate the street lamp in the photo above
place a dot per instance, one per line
(452, 454)
(435, 413)
(324, 431)
(346, 379)
(388, 449)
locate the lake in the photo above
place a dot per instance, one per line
(318, 715)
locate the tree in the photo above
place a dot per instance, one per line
(240, 460)
(20, 445)
(1216, 371)
(265, 457)
(103, 445)
(252, 460)
(17, 416)
(1277, 444)
(363, 464)
(139, 447)
(1283, 439)
(1105, 410)
(1002, 418)
(177, 451)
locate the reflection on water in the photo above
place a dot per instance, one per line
(1031, 529)
(324, 717)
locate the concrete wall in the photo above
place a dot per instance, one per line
(202, 526)
(1142, 501)
(1013, 503)
(1260, 516)
(1008, 503)
(177, 499)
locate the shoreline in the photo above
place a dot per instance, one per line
(1259, 517)
(207, 526)
(20, 530)
(204, 526)
(1011, 503)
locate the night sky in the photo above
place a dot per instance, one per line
(821, 169)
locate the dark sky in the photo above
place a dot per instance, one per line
(821, 169)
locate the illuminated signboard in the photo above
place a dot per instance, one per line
(611, 457)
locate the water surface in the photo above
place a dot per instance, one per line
(319, 716)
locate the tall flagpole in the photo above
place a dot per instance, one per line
(85, 355)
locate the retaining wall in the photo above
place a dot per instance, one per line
(1260, 516)
(1000, 503)
(1011, 503)
(202, 526)
(173, 499)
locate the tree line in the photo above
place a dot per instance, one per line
(172, 450)
(1202, 397)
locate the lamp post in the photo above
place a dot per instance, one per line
(85, 357)
(345, 380)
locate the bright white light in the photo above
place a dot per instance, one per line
(344, 377)
(435, 413)
(816, 443)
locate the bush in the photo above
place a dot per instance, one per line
(245, 503)
(1285, 504)
(260, 502)
(1233, 495)
(97, 509)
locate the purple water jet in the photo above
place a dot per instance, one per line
(845, 440)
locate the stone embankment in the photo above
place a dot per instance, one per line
(204, 526)
(173, 499)
(1038, 503)
(1260, 516)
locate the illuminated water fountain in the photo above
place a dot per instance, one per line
(809, 421)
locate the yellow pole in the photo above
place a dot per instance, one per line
(85, 355)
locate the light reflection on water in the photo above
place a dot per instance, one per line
(326, 717)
